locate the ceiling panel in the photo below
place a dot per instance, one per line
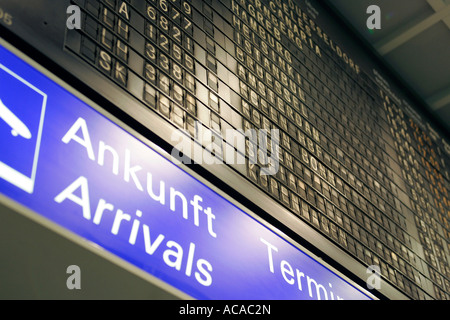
(414, 41)
(424, 60)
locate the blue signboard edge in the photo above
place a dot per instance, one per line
(44, 221)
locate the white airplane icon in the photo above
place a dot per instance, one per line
(17, 126)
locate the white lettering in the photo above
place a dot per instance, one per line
(83, 202)
(85, 141)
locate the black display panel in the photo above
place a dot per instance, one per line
(358, 164)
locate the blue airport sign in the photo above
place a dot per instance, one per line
(67, 162)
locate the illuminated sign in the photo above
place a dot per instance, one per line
(88, 175)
